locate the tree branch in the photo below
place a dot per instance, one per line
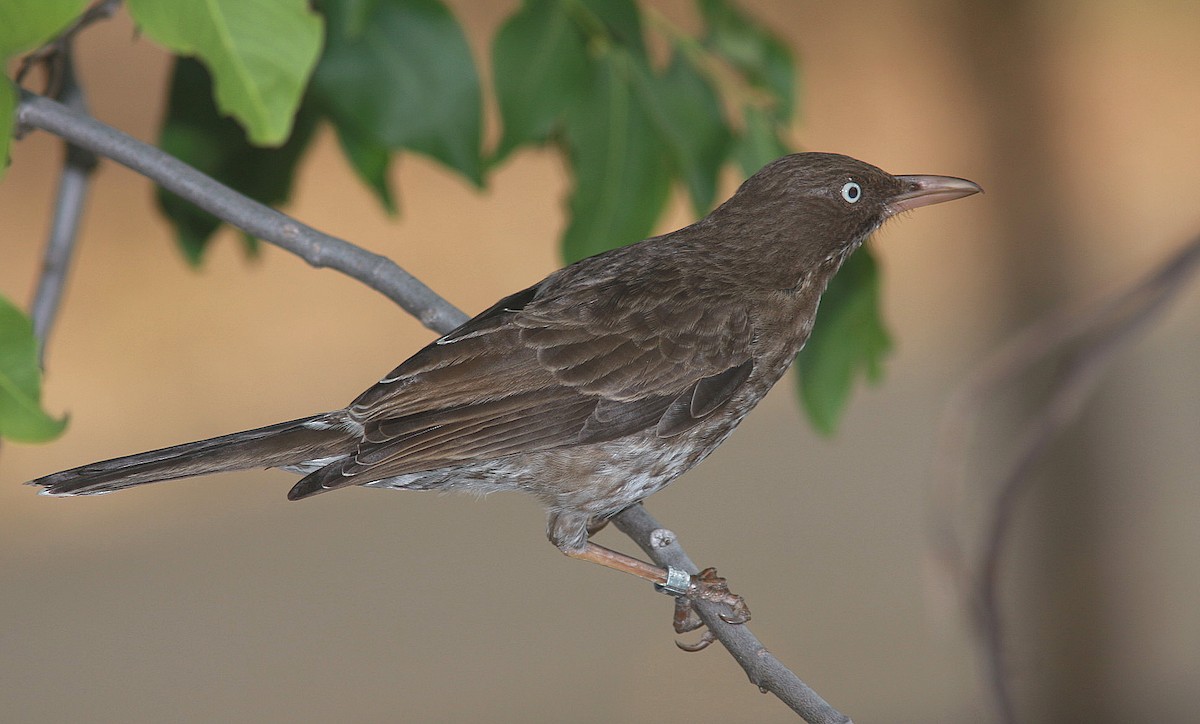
(1100, 332)
(765, 671)
(385, 276)
(317, 248)
(73, 184)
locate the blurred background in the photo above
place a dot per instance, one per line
(216, 599)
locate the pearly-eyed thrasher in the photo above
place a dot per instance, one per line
(598, 385)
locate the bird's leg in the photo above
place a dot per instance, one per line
(609, 558)
(705, 586)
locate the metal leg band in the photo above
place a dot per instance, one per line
(679, 582)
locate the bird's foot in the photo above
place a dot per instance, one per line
(688, 590)
(704, 586)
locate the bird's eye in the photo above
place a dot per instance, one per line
(851, 192)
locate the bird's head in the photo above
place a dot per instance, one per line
(817, 208)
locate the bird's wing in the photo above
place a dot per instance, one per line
(534, 373)
(653, 355)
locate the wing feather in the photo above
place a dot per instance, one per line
(557, 364)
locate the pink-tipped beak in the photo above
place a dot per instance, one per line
(920, 191)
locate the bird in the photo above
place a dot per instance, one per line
(597, 386)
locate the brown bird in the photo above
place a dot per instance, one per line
(597, 386)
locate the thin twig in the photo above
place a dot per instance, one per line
(1100, 332)
(765, 671)
(73, 183)
(75, 179)
(385, 276)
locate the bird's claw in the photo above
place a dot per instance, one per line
(706, 586)
(685, 619)
(705, 640)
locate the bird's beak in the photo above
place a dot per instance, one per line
(917, 191)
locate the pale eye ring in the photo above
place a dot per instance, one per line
(851, 192)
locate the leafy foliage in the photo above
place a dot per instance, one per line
(621, 178)
(764, 61)
(398, 75)
(195, 131)
(394, 74)
(686, 113)
(26, 24)
(21, 415)
(540, 69)
(259, 53)
(759, 143)
(848, 339)
(627, 128)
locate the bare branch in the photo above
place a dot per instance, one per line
(765, 671)
(1098, 333)
(385, 276)
(73, 184)
(317, 248)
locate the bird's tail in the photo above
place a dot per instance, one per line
(285, 444)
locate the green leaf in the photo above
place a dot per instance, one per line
(404, 80)
(8, 117)
(357, 14)
(21, 415)
(849, 338)
(621, 174)
(373, 163)
(758, 144)
(27, 24)
(196, 133)
(259, 53)
(617, 21)
(687, 114)
(763, 59)
(539, 67)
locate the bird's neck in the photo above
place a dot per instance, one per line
(789, 297)
(778, 264)
(779, 251)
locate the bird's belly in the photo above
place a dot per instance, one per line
(604, 478)
(629, 469)
(597, 479)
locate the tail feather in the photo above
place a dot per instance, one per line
(284, 444)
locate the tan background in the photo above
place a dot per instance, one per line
(217, 600)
